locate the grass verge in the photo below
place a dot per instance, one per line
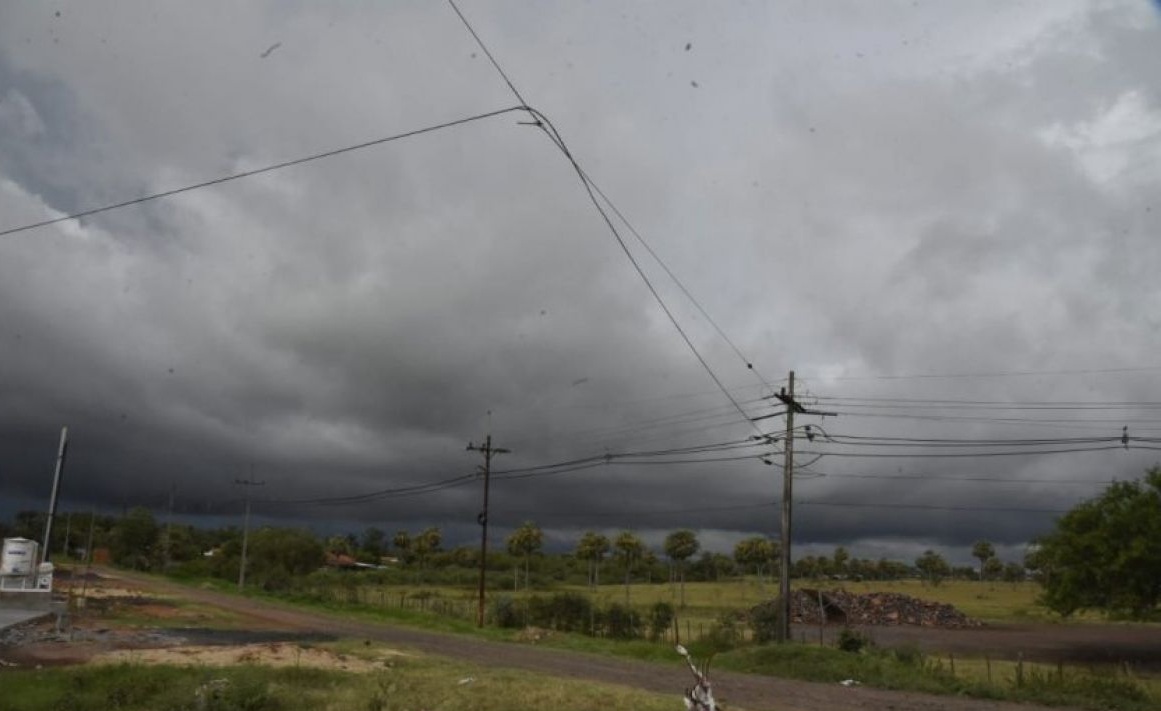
(408, 683)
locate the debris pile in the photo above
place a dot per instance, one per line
(877, 608)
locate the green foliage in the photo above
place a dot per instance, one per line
(135, 538)
(764, 619)
(661, 616)
(727, 632)
(592, 548)
(1013, 573)
(505, 612)
(681, 545)
(1104, 554)
(629, 550)
(983, 551)
(620, 622)
(525, 542)
(932, 567)
(756, 552)
(852, 641)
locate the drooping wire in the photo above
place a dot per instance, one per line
(546, 125)
(258, 171)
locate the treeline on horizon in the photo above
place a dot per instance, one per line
(276, 556)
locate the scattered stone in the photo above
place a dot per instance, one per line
(876, 609)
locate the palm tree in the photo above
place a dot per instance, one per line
(525, 541)
(983, 550)
(593, 547)
(629, 549)
(680, 546)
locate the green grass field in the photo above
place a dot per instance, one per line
(706, 602)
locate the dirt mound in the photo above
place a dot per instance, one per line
(876, 608)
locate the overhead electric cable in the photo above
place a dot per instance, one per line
(1001, 374)
(546, 125)
(258, 171)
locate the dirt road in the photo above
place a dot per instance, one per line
(755, 693)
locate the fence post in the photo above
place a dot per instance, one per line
(1019, 669)
(988, 665)
(951, 657)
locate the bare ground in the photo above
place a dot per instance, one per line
(1045, 642)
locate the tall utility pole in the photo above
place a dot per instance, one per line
(792, 407)
(246, 525)
(60, 458)
(488, 450)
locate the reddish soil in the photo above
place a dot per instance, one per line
(1048, 642)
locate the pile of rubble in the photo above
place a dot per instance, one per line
(878, 608)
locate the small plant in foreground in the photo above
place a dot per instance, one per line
(851, 641)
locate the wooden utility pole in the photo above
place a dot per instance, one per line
(246, 525)
(488, 450)
(793, 407)
(787, 397)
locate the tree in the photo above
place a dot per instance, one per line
(525, 541)
(755, 552)
(680, 546)
(932, 567)
(374, 544)
(425, 543)
(840, 560)
(593, 547)
(993, 568)
(982, 551)
(402, 543)
(1104, 554)
(276, 555)
(1013, 573)
(135, 539)
(629, 548)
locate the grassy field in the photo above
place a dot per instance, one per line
(706, 602)
(411, 682)
(902, 669)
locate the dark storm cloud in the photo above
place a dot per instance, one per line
(916, 190)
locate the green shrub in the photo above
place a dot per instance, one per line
(506, 612)
(660, 618)
(909, 654)
(565, 612)
(764, 621)
(620, 622)
(851, 641)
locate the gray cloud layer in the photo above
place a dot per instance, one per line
(917, 188)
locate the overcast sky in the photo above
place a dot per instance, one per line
(852, 190)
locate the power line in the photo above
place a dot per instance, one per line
(265, 169)
(999, 374)
(931, 507)
(550, 130)
(952, 455)
(1080, 404)
(940, 478)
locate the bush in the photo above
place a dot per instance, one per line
(852, 641)
(908, 654)
(660, 618)
(620, 622)
(725, 633)
(506, 613)
(565, 612)
(764, 621)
